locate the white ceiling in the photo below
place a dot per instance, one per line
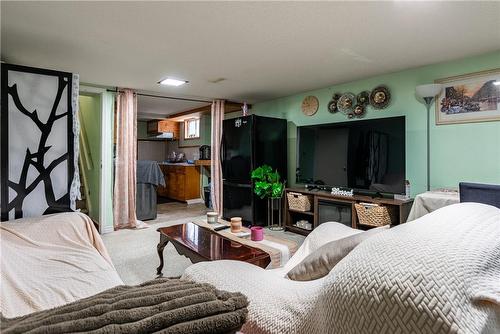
(264, 50)
(149, 107)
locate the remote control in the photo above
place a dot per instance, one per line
(220, 228)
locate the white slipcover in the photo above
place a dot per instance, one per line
(51, 260)
(437, 274)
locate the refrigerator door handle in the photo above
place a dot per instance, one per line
(239, 185)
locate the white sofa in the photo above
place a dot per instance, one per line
(437, 274)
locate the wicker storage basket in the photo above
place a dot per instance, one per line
(299, 202)
(375, 215)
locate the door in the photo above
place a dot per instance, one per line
(237, 150)
(271, 144)
(106, 165)
(237, 201)
(270, 149)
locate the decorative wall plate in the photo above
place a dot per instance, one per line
(380, 97)
(310, 105)
(346, 103)
(359, 110)
(332, 105)
(363, 98)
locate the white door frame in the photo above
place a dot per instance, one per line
(105, 220)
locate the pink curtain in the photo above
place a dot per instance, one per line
(216, 168)
(126, 160)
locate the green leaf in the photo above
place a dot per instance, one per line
(277, 189)
(262, 189)
(267, 182)
(257, 173)
(274, 177)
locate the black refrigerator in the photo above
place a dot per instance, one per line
(249, 142)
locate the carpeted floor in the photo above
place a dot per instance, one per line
(134, 251)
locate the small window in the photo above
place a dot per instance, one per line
(192, 128)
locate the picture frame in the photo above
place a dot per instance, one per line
(469, 98)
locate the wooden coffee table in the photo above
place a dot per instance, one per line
(202, 244)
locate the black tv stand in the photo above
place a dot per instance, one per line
(371, 194)
(317, 187)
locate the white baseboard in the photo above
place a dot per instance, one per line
(195, 201)
(106, 229)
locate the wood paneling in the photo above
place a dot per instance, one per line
(229, 107)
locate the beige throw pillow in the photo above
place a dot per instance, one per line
(319, 263)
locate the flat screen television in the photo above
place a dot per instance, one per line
(366, 155)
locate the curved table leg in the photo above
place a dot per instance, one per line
(161, 245)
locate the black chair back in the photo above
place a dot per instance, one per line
(480, 193)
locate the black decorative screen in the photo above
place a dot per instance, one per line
(37, 141)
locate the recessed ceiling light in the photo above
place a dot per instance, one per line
(172, 82)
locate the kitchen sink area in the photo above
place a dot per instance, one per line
(182, 158)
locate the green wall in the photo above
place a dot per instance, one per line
(96, 112)
(90, 126)
(459, 152)
(142, 129)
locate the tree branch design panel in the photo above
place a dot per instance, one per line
(37, 158)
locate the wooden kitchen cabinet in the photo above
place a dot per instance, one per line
(155, 127)
(182, 182)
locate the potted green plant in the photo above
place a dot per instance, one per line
(267, 184)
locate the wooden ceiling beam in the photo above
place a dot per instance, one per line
(230, 106)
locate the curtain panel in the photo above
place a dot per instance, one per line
(124, 199)
(216, 167)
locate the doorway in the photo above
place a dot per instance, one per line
(90, 154)
(96, 155)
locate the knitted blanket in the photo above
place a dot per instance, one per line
(159, 306)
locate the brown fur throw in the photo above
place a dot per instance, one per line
(159, 306)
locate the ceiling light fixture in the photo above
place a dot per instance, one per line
(172, 82)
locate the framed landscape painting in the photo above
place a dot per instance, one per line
(469, 98)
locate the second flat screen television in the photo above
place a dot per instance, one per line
(364, 155)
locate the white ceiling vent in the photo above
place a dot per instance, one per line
(217, 80)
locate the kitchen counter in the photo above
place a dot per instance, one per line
(182, 181)
(205, 163)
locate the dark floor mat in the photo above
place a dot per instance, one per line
(162, 200)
